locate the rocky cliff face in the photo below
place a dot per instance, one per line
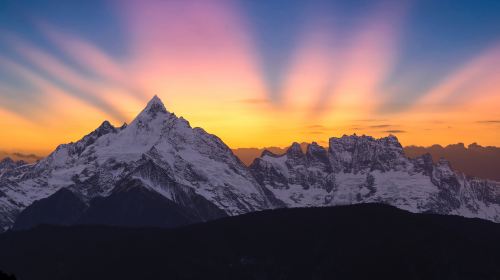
(360, 169)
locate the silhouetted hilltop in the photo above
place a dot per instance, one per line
(366, 241)
(5, 276)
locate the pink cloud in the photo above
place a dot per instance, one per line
(334, 72)
(94, 59)
(476, 78)
(84, 88)
(200, 44)
(370, 58)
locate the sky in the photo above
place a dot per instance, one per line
(254, 72)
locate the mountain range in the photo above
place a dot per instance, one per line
(17, 156)
(160, 171)
(473, 160)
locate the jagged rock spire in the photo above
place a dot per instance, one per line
(294, 149)
(153, 108)
(155, 105)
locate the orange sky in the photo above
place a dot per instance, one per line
(219, 86)
(255, 122)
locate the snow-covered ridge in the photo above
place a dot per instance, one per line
(359, 169)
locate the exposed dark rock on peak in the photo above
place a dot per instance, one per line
(7, 161)
(355, 153)
(424, 164)
(105, 128)
(155, 105)
(295, 151)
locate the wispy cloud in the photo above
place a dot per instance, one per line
(380, 126)
(394, 131)
(94, 60)
(315, 132)
(470, 79)
(367, 62)
(14, 99)
(371, 120)
(79, 86)
(11, 100)
(316, 126)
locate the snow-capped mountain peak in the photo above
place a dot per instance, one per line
(106, 126)
(189, 164)
(295, 151)
(155, 109)
(155, 105)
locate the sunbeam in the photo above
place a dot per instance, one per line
(232, 68)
